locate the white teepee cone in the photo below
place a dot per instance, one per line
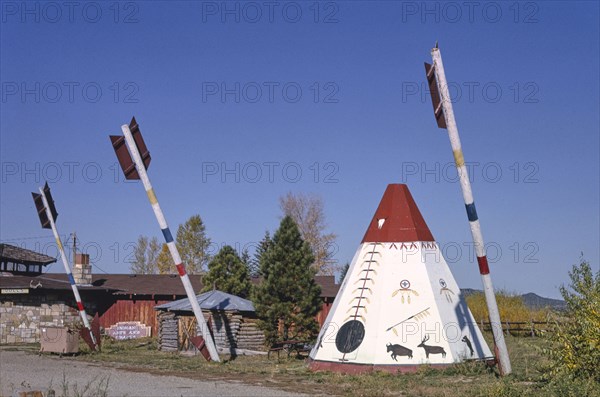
(399, 305)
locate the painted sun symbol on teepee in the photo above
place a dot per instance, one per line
(405, 291)
(445, 290)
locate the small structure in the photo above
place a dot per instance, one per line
(231, 319)
(61, 340)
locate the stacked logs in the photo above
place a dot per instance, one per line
(250, 336)
(230, 330)
(225, 328)
(168, 332)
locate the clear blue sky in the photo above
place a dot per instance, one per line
(283, 87)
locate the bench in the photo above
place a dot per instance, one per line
(288, 346)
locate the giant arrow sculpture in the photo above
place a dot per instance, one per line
(134, 159)
(47, 213)
(444, 115)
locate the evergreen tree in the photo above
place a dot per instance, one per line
(263, 246)
(288, 295)
(343, 272)
(227, 272)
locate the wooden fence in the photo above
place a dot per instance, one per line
(520, 328)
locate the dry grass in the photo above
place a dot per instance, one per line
(469, 379)
(465, 379)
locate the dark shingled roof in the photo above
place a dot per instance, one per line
(42, 282)
(329, 288)
(140, 284)
(13, 254)
(145, 284)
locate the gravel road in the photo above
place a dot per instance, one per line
(24, 370)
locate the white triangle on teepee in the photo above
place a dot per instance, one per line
(399, 306)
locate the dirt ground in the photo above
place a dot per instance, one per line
(22, 370)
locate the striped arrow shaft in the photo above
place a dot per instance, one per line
(135, 155)
(63, 256)
(503, 358)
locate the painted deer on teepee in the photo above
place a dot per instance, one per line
(431, 349)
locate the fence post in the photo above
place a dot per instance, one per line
(532, 329)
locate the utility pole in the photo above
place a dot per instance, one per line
(444, 114)
(74, 247)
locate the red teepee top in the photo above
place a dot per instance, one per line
(397, 219)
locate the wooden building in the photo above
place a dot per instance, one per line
(232, 321)
(21, 261)
(30, 299)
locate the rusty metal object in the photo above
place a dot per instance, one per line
(438, 110)
(123, 154)
(41, 209)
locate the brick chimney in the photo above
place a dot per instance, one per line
(82, 270)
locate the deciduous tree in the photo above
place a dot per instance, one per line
(145, 256)
(308, 213)
(576, 351)
(164, 262)
(193, 244)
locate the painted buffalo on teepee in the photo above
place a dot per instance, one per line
(399, 306)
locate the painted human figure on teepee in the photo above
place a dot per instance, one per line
(399, 305)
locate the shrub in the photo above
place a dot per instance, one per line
(576, 350)
(510, 306)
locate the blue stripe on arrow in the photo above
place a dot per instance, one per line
(167, 233)
(471, 212)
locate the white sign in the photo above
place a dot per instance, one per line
(14, 291)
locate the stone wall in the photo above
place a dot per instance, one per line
(21, 316)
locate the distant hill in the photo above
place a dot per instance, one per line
(534, 301)
(531, 300)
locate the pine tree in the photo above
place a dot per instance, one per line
(263, 246)
(288, 295)
(343, 272)
(227, 273)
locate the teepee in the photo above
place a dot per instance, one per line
(399, 305)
